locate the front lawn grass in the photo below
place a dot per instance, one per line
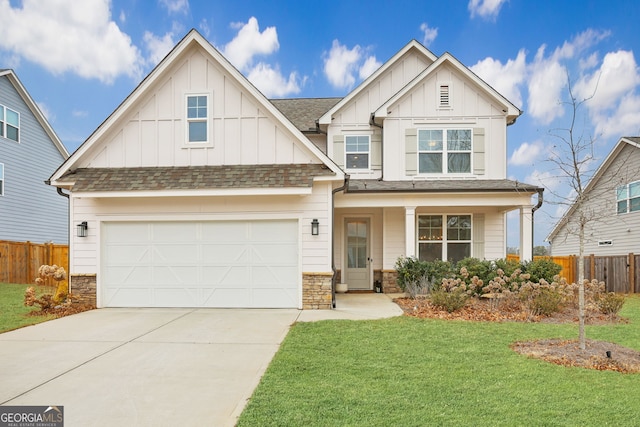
(13, 313)
(415, 372)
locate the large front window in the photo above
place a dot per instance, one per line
(444, 151)
(197, 120)
(9, 124)
(445, 237)
(628, 197)
(357, 151)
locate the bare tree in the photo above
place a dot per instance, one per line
(573, 158)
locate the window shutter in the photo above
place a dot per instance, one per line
(376, 151)
(411, 151)
(478, 236)
(338, 150)
(478, 151)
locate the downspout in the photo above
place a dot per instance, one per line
(372, 122)
(333, 256)
(533, 210)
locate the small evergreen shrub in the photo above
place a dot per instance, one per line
(451, 295)
(542, 268)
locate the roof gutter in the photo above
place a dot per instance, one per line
(372, 122)
(533, 211)
(343, 188)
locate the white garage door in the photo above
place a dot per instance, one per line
(200, 264)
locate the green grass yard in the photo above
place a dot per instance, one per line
(13, 314)
(415, 372)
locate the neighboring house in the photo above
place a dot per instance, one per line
(612, 210)
(198, 191)
(30, 151)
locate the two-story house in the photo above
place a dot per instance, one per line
(30, 151)
(200, 192)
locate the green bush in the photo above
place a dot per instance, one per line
(546, 302)
(483, 269)
(541, 268)
(412, 270)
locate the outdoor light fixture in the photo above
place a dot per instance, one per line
(82, 229)
(315, 225)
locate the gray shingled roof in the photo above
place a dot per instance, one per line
(440, 186)
(195, 177)
(303, 112)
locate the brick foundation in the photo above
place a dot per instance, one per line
(316, 291)
(83, 287)
(390, 282)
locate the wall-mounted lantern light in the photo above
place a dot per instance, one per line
(82, 229)
(315, 226)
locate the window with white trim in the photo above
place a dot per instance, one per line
(9, 124)
(444, 237)
(628, 197)
(197, 119)
(1, 179)
(444, 151)
(356, 149)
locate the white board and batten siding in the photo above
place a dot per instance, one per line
(152, 131)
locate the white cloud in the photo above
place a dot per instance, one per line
(430, 34)
(543, 179)
(371, 64)
(46, 112)
(547, 80)
(618, 75)
(622, 121)
(341, 64)
(69, 36)
(79, 113)
(158, 47)
(526, 154)
(176, 6)
(486, 9)
(272, 83)
(250, 42)
(506, 78)
(204, 27)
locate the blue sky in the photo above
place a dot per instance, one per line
(79, 60)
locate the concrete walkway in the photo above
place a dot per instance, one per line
(155, 367)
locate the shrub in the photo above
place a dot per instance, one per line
(412, 270)
(452, 295)
(422, 286)
(610, 303)
(541, 268)
(483, 269)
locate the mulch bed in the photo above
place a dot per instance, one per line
(62, 310)
(558, 351)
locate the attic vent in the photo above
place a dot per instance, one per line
(444, 96)
(605, 242)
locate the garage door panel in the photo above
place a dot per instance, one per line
(220, 254)
(201, 264)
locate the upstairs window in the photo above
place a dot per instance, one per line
(197, 118)
(9, 124)
(628, 197)
(444, 151)
(357, 151)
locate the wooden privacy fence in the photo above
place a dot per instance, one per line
(620, 273)
(20, 261)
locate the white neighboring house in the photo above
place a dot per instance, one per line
(614, 208)
(200, 192)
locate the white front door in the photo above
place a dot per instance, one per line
(357, 272)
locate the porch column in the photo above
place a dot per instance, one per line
(526, 237)
(410, 231)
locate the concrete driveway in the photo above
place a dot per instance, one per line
(154, 367)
